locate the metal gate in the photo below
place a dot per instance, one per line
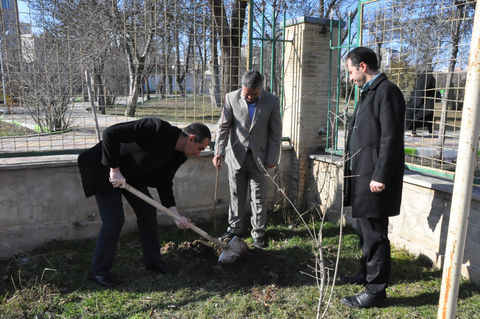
(428, 65)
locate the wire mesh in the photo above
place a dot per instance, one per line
(170, 59)
(423, 47)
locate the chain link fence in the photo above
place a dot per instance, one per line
(65, 63)
(423, 47)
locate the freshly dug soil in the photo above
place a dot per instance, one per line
(199, 260)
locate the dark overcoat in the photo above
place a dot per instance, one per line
(144, 150)
(375, 151)
(422, 101)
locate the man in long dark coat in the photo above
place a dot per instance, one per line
(373, 171)
(144, 153)
(420, 106)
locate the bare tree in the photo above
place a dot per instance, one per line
(46, 90)
(135, 24)
(456, 29)
(230, 33)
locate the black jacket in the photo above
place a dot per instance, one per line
(375, 151)
(144, 150)
(422, 101)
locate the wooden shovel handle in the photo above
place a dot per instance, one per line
(162, 208)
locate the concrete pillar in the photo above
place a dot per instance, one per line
(306, 80)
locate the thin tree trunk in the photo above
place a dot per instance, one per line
(214, 87)
(99, 87)
(147, 86)
(455, 34)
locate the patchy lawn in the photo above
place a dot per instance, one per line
(8, 129)
(187, 109)
(51, 281)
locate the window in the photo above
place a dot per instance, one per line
(5, 4)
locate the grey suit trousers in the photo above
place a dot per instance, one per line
(239, 181)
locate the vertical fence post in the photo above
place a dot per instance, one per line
(250, 35)
(283, 61)
(262, 37)
(462, 189)
(274, 42)
(92, 104)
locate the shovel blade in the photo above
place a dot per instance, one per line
(235, 249)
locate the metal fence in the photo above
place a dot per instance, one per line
(61, 60)
(423, 47)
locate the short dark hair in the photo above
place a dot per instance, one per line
(365, 55)
(201, 132)
(252, 79)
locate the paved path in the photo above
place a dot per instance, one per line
(427, 145)
(82, 135)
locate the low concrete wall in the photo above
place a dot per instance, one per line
(422, 225)
(41, 199)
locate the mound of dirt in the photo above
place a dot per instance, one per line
(199, 259)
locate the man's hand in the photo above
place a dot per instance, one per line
(181, 222)
(217, 159)
(116, 178)
(376, 187)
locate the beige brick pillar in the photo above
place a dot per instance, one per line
(306, 68)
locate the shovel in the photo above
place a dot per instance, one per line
(231, 251)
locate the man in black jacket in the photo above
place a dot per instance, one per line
(146, 153)
(373, 171)
(420, 106)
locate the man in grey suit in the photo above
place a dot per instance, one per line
(249, 135)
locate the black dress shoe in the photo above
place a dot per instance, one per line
(358, 279)
(162, 267)
(260, 242)
(102, 280)
(364, 299)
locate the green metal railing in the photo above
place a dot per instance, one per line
(377, 16)
(273, 41)
(333, 126)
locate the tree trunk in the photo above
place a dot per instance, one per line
(170, 84)
(321, 8)
(214, 87)
(99, 87)
(162, 86)
(230, 40)
(455, 35)
(132, 100)
(147, 86)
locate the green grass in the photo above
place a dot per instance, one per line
(51, 281)
(175, 108)
(10, 129)
(411, 151)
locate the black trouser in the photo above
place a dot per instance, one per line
(111, 212)
(375, 245)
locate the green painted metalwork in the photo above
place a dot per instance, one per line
(327, 146)
(332, 132)
(283, 69)
(250, 35)
(272, 66)
(339, 65)
(430, 171)
(263, 36)
(333, 149)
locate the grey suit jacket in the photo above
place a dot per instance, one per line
(236, 134)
